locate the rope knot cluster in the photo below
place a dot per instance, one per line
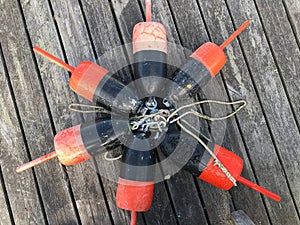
(160, 119)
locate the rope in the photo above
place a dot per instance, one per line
(94, 109)
(197, 131)
(217, 161)
(243, 102)
(112, 159)
(160, 120)
(168, 119)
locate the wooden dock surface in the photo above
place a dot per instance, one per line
(263, 68)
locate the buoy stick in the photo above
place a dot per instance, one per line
(148, 11)
(36, 162)
(54, 59)
(259, 189)
(133, 218)
(235, 34)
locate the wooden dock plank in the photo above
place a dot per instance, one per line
(266, 76)
(4, 210)
(105, 38)
(35, 119)
(280, 120)
(22, 192)
(254, 128)
(161, 209)
(292, 8)
(4, 201)
(283, 43)
(83, 178)
(286, 53)
(187, 203)
(243, 197)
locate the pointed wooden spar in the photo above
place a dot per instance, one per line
(53, 59)
(235, 34)
(133, 219)
(148, 11)
(36, 162)
(259, 189)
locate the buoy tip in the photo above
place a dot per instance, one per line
(18, 169)
(259, 189)
(133, 218)
(36, 162)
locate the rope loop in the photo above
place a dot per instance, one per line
(76, 107)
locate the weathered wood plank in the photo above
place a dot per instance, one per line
(286, 136)
(89, 197)
(109, 170)
(189, 24)
(287, 57)
(161, 209)
(284, 48)
(4, 210)
(241, 218)
(187, 204)
(22, 193)
(83, 178)
(105, 38)
(293, 12)
(128, 14)
(271, 94)
(35, 119)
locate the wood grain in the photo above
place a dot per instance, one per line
(21, 190)
(286, 54)
(255, 128)
(4, 210)
(280, 120)
(83, 178)
(292, 8)
(241, 218)
(262, 69)
(283, 44)
(34, 115)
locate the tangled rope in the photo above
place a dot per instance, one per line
(169, 119)
(160, 119)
